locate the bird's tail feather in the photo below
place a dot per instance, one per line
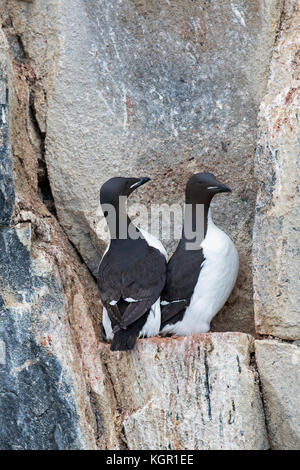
(123, 340)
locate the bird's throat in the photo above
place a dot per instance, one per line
(117, 219)
(195, 224)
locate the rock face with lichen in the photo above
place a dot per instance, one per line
(276, 231)
(170, 88)
(6, 180)
(278, 366)
(46, 399)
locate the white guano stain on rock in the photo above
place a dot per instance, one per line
(2, 353)
(239, 15)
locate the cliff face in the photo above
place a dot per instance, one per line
(88, 92)
(151, 88)
(277, 168)
(196, 392)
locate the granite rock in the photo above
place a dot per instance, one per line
(49, 304)
(158, 88)
(52, 393)
(193, 392)
(35, 412)
(276, 254)
(7, 194)
(279, 369)
(88, 91)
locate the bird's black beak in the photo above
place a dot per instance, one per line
(144, 180)
(140, 182)
(219, 188)
(223, 188)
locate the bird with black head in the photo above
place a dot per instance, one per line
(132, 271)
(203, 270)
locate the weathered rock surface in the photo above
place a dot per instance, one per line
(143, 87)
(45, 402)
(279, 369)
(196, 392)
(51, 379)
(163, 88)
(6, 179)
(276, 254)
(36, 413)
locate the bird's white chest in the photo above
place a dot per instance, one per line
(215, 282)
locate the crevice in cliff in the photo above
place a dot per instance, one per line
(275, 338)
(118, 422)
(44, 187)
(15, 42)
(78, 254)
(98, 429)
(21, 58)
(36, 174)
(253, 365)
(207, 384)
(122, 436)
(280, 23)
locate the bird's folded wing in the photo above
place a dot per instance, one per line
(136, 310)
(114, 314)
(110, 291)
(142, 282)
(172, 309)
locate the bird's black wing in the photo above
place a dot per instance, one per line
(182, 275)
(172, 310)
(142, 280)
(109, 289)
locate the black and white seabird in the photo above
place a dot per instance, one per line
(199, 281)
(132, 272)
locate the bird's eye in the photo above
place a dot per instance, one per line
(105, 213)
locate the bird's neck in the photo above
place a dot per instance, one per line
(196, 219)
(117, 219)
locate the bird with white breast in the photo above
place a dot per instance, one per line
(132, 272)
(203, 270)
